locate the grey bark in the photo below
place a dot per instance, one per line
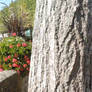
(62, 47)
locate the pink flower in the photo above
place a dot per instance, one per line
(24, 44)
(1, 69)
(11, 46)
(13, 34)
(18, 45)
(9, 57)
(14, 60)
(27, 69)
(5, 59)
(25, 65)
(28, 61)
(15, 65)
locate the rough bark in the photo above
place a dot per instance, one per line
(62, 47)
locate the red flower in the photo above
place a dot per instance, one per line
(25, 57)
(10, 65)
(9, 57)
(25, 65)
(15, 55)
(5, 59)
(14, 60)
(24, 44)
(21, 69)
(28, 61)
(18, 66)
(15, 65)
(13, 34)
(11, 46)
(1, 69)
(0, 66)
(18, 45)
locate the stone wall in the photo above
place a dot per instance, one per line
(24, 87)
(9, 82)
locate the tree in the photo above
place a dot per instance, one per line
(62, 47)
(11, 21)
(19, 16)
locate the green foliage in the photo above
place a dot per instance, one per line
(26, 8)
(15, 54)
(22, 10)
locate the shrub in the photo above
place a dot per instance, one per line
(15, 54)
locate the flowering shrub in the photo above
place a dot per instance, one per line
(15, 54)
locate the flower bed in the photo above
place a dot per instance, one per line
(15, 54)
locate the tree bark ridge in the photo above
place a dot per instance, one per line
(62, 47)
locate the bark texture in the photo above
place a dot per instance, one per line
(62, 47)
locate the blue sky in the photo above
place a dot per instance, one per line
(6, 2)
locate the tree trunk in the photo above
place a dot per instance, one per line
(62, 47)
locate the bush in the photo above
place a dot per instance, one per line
(15, 54)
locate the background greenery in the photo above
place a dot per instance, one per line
(24, 10)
